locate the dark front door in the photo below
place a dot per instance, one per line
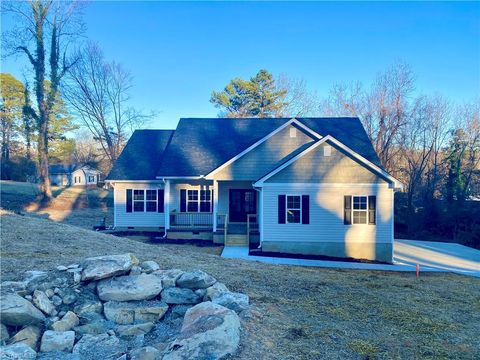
(242, 202)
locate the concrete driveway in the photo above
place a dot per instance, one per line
(432, 257)
(436, 255)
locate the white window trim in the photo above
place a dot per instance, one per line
(366, 210)
(145, 200)
(199, 201)
(151, 201)
(286, 209)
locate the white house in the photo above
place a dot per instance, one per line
(301, 186)
(74, 175)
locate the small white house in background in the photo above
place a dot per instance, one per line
(74, 175)
(311, 186)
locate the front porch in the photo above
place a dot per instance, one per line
(201, 226)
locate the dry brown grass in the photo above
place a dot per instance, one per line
(79, 206)
(300, 313)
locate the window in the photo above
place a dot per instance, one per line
(205, 200)
(195, 200)
(360, 209)
(151, 200)
(192, 200)
(91, 178)
(138, 200)
(294, 209)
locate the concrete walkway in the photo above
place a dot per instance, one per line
(432, 257)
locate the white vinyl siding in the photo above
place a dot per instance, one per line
(326, 214)
(317, 167)
(136, 219)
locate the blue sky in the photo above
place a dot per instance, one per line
(179, 52)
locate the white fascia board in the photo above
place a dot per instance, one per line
(132, 181)
(180, 177)
(209, 176)
(361, 159)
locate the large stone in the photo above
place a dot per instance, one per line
(68, 322)
(41, 301)
(88, 306)
(4, 335)
(57, 341)
(15, 310)
(209, 331)
(145, 353)
(57, 355)
(15, 287)
(125, 313)
(34, 278)
(237, 302)
(216, 290)
(134, 330)
(177, 295)
(17, 352)
(94, 328)
(169, 277)
(102, 267)
(68, 295)
(127, 288)
(28, 336)
(195, 280)
(149, 266)
(94, 347)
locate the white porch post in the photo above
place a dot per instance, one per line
(215, 204)
(166, 207)
(260, 217)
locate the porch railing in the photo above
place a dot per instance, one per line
(252, 225)
(191, 220)
(222, 224)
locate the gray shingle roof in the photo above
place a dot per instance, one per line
(200, 145)
(141, 156)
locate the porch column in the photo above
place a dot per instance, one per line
(215, 204)
(260, 217)
(166, 207)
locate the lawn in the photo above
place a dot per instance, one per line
(300, 313)
(77, 206)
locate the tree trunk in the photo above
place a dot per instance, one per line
(43, 172)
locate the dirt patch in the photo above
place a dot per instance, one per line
(299, 313)
(78, 206)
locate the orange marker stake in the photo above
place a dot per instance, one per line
(418, 270)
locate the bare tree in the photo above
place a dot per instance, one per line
(468, 119)
(298, 100)
(43, 24)
(98, 92)
(383, 108)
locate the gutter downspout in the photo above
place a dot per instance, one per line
(260, 224)
(166, 213)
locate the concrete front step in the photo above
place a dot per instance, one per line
(236, 240)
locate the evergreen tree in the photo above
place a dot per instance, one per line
(257, 97)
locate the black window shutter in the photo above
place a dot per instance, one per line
(372, 207)
(347, 210)
(281, 209)
(305, 209)
(183, 200)
(129, 200)
(160, 200)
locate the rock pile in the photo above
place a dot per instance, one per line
(113, 307)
